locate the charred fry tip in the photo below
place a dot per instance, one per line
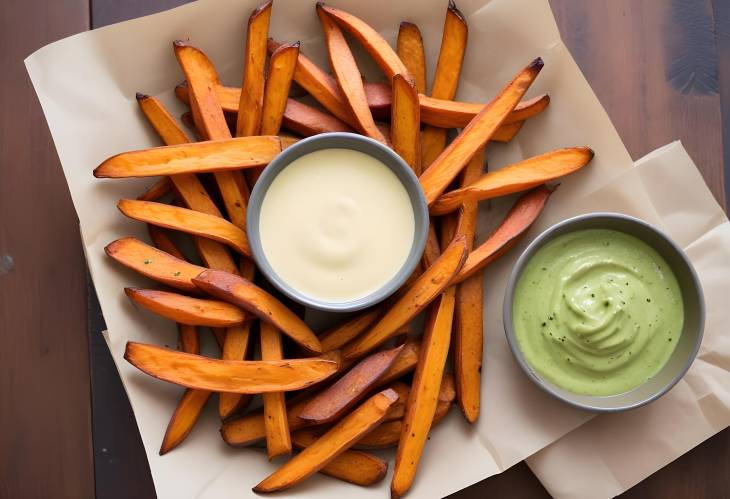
(407, 24)
(536, 65)
(180, 44)
(455, 10)
(320, 6)
(590, 152)
(140, 96)
(258, 10)
(182, 84)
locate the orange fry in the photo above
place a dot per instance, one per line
(348, 76)
(516, 177)
(410, 51)
(187, 310)
(405, 128)
(278, 440)
(236, 376)
(185, 220)
(450, 162)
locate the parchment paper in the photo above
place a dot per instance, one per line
(86, 85)
(613, 452)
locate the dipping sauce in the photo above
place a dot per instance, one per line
(597, 312)
(336, 224)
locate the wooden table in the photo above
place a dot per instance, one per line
(661, 69)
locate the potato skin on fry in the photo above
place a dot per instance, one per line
(248, 296)
(334, 401)
(234, 376)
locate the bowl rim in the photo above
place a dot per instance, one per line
(293, 152)
(525, 257)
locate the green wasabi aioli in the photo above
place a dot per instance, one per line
(597, 312)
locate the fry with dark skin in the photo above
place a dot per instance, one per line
(348, 76)
(335, 400)
(188, 221)
(250, 297)
(251, 102)
(516, 177)
(235, 376)
(409, 48)
(330, 445)
(444, 169)
(187, 310)
(412, 301)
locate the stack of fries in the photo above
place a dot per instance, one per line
(371, 381)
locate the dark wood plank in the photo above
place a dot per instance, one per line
(722, 35)
(45, 415)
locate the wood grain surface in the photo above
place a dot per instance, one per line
(661, 69)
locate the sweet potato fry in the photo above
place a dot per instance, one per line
(404, 363)
(331, 444)
(248, 296)
(454, 114)
(161, 120)
(163, 242)
(432, 250)
(307, 121)
(252, 97)
(321, 86)
(398, 409)
(187, 310)
(188, 120)
(203, 82)
(357, 467)
(388, 433)
(183, 420)
(409, 48)
(506, 133)
(235, 376)
(347, 391)
(446, 78)
(337, 336)
(516, 177)
(197, 157)
(278, 440)
(450, 162)
(423, 396)
(188, 338)
(281, 70)
(251, 428)
(424, 290)
(379, 49)
(348, 76)
(234, 347)
(405, 127)
(468, 317)
(156, 190)
(185, 220)
(525, 211)
(153, 263)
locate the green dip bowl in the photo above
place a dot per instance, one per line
(692, 298)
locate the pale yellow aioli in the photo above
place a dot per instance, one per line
(336, 225)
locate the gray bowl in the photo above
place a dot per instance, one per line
(694, 313)
(340, 140)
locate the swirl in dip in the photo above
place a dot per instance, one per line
(336, 224)
(597, 312)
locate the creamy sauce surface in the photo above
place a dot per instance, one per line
(597, 312)
(336, 225)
